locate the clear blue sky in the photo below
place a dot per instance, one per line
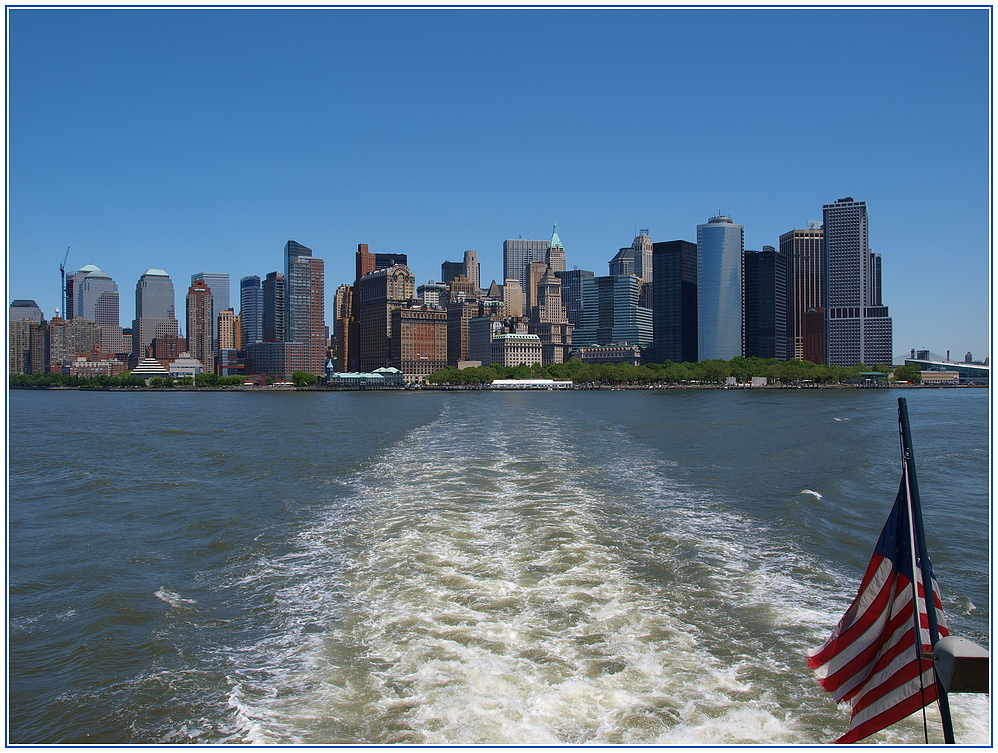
(202, 140)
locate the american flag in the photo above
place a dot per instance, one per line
(871, 658)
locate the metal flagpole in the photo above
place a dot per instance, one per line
(915, 507)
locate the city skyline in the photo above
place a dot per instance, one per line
(182, 175)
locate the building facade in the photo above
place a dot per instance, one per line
(251, 309)
(274, 313)
(674, 302)
(200, 342)
(766, 307)
(858, 327)
(220, 293)
(803, 251)
(305, 302)
(720, 281)
(155, 311)
(375, 296)
(418, 341)
(611, 314)
(96, 300)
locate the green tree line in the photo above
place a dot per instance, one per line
(703, 372)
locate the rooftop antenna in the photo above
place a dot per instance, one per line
(62, 272)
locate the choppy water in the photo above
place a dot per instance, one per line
(542, 568)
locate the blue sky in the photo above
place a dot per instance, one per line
(203, 139)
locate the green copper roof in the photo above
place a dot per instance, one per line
(555, 240)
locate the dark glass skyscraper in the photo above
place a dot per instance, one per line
(251, 308)
(803, 251)
(274, 322)
(674, 302)
(766, 304)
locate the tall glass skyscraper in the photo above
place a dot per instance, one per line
(96, 297)
(858, 327)
(674, 302)
(720, 278)
(611, 314)
(251, 309)
(803, 251)
(155, 310)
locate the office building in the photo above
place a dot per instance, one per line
(516, 349)
(518, 253)
(220, 294)
(720, 281)
(418, 341)
(858, 327)
(432, 293)
(96, 300)
(274, 319)
(200, 343)
(251, 309)
(766, 305)
(674, 302)
(571, 292)
(450, 270)
(375, 296)
(384, 261)
(472, 269)
(155, 311)
(22, 309)
(549, 321)
(19, 345)
(611, 314)
(803, 250)
(277, 360)
(230, 330)
(305, 301)
(460, 312)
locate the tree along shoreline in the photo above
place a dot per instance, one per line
(711, 374)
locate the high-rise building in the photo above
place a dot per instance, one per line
(22, 309)
(518, 253)
(460, 312)
(305, 297)
(803, 251)
(432, 293)
(858, 326)
(549, 321)
(720, 281)
(220, 294)
(375, 296)
(200, 343)
(674, 302)
(230, 330)
(611, 314)
(556, 252)
(384, 261)
(472, 269)
(450, 270)
(19, 345)
(96, 299)
(418, 341)
(766, 304)
(155, 311)
(251, 309)
(571, 292)
(274, 319)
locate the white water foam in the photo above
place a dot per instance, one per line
(172, 598)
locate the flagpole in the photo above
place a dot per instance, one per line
(915, 505)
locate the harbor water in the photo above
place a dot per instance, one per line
(607, 567)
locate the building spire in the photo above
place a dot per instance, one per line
(555, 240)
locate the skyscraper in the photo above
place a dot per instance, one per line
(472, 269)
(611, 314)
(571, 292)
(518, 253)
(674, 302)
(220, 293)
(858, 326)
(96, 298)
(200, 342)
(555, 252)
(803, 251)
(274, 321)
(251, 309)
(155, 311)
(720, 310)
(766, 304)
(635, 259)
(375, 296)
(305, 297)
(23, 309)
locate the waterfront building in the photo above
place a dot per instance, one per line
(611, 314)
(375, 296)
(200, 343)
(23, 309)
(274, 319)
(97, 301)
(858, 327)
(67, 340)
(386, 376)
(81, 366)
(19, 345)
(168, 348)
(277, 360)
(766, 308)
(609, 354)
(149, 367)
(186, 365)
(418, 341)
(155, 311)
(251, 309)
(304, 278)
(720, 281)
(571, 292)
(516, 349)
(674, 302)
(230, 362)
(803, 249)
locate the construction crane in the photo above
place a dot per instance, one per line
(62, 271)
